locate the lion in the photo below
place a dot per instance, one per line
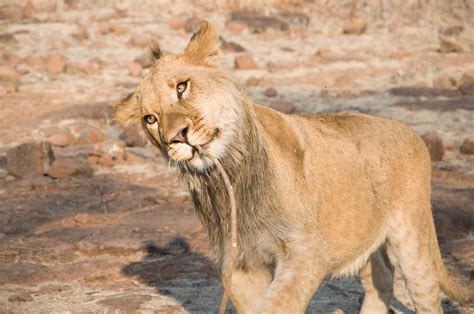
(318, 196)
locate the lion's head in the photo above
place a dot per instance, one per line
(186, 100)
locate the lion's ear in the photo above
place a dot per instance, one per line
(128, 111)
(204, 46)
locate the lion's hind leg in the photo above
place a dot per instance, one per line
(377, 279)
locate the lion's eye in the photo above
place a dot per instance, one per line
(181, 87)
(150, 119)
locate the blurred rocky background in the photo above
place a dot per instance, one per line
(92, 220)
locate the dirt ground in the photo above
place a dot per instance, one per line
(109, 227)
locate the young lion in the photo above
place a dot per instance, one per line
(317, 195)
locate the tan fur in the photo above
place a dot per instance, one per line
(317, 195)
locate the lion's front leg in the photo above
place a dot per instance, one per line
(248, 288)
(295, 282)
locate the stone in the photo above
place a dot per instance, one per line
(466, 88)
(283, 106)
(435, 145)
(103, 28)
(11, 12)
(257, 22)
(20, 297)
(399, 54)
(9, 88)
(62, 139)
(467, 77)
(13, 59)
(140, 40)
(230, 46)
(118, 29)
(34, 62)
(467, 147)
(29, 9)
(177, 22)
(126, 302)
(135, 69)
(8, 74)
(63, 168)
(87, 247)
(91, 67)
(449, 44)
(132, 137)
(108, 154)
(144, 60)
(252, 81)
(55, 64)
(235, 27)
(192, 24)
(270, 92)
(91, 137)
(29, 159)
(445, 81)
(356, 26)
(245, 62)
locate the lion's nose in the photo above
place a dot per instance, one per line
(180, 136)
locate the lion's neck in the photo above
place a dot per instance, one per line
(246, 163)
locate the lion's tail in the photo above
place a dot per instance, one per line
(453, 290)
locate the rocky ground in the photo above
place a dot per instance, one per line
(92, 220)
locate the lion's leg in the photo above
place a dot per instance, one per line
(248, 288)
(296, 280)
(377, 278)
(410, 246)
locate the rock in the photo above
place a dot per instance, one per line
(445, 81)
(91, 137)
(9, 88)
(132, 137)
(8, 74)
(230, 46)
(144, 60)
(20, 297)
(140, 40)
(466, 88)
(257, 22)
(270, 92)
(63, 139)
(252, 81)
(245, 62)
(135, 69)
(34, 62)
(82, 33)
(11, 12)
(55, 63)
(296, 18)
(87, 247)
(191, 24)
(91, 67)
(13, 59)
(118, 29)
(126, 302)
(235, 27)
(83, 218)
(121, 246)
(103, 28)
(108, 154)
(177, 22)
(435, 145)
(399, 54)
(63, 168)
(29, 159)
(283, 106)
(449, 44)
(467, 77)
(356, 26)
(24, 273)
(467, 147)
(29, 9)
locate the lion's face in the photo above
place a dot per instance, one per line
(186, 100)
